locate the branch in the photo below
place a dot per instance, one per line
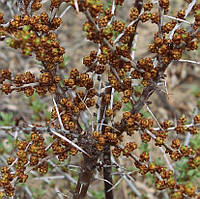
(107, 174)
(85, 177)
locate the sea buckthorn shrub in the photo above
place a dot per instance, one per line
(89, 118)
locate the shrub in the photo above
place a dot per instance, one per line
(96, 106)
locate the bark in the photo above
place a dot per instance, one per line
(107, 174)
(138, 4)
(85, 177)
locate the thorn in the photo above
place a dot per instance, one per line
(76, 6)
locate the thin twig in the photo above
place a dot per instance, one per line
(65, 11)
(177, 19)
(188, 61)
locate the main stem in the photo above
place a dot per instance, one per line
(85, 177)
(107, 174)
(106, 156)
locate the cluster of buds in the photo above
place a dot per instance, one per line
(28, 83)
(28, 153)
(33, 35)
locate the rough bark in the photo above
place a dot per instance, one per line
(107, 175)
(85, 177)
